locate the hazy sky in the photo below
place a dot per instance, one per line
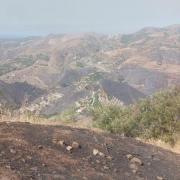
(33, 17)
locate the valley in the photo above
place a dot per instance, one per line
(50, 74)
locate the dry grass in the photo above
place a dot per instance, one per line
(159, 143)
(84, 123)
(16, 116)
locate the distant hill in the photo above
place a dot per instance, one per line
(126, 93)
(65, 69)
(18, 94)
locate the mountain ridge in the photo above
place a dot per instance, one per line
(148, 61)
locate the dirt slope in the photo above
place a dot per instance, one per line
(36, 152)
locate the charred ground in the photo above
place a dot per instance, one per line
(39, 152)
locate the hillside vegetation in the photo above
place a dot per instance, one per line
(157, 117)
(48, 75)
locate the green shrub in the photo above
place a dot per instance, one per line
(94, 77)
(156, 117)
(68, 115)
(1, 93)
(16, 64)
(79, 64)
(42, 56)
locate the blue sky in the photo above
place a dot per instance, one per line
(41, 17)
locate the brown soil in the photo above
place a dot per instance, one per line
(32, 152)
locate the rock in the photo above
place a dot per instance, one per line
(101, 154)
(75, 145)
(23, 160)
(12, 151)
(8, 166)
(134, 171)
(69, 148)
(106, 168)
(97, 161)
(40, 147)
(54, 140)
(133, 167)
(109, 158)
(95, 152)
(129, 156)
(136, 160)
(29, 157)
(44, 165)
(62, 143)
(34, 168)
(159, 178)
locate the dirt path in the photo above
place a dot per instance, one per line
(39, 152)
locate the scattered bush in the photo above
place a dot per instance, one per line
(79, 64)
(156, 117)
(68, 115)
(42, 56)
(16, 64)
